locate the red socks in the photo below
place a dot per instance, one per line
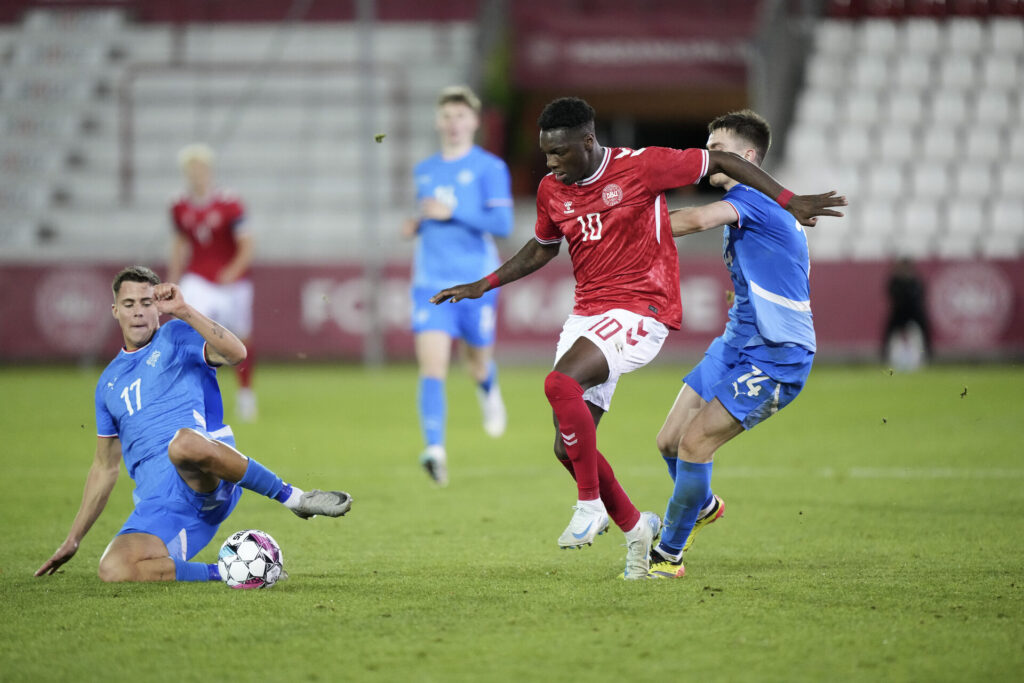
(594, 476)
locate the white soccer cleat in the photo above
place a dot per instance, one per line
(638, 546)
(589, 521)
(493, 408)
(326, 503)
(434, 461)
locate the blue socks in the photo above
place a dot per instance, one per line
(195, 571)
(261, 480)
(433, 410)
(692, 492)
(670, 461)
(491, 379)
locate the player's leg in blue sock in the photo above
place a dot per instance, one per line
(491, 379)
(195, 571)
(670, 462)
(691, 493)
(433, 410)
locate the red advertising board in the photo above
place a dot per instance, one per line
(62, 312)
(617, 45)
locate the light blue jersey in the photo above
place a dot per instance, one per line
(766, 254)
(145, 396)
(461, 249)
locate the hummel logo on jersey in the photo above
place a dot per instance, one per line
(569, 439)
(568, 208)
(154, 357)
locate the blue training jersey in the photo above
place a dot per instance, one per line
(766, 253)
(145, 396)
(461, 249)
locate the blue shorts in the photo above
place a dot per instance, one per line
(183, 519)
(747, 392)
(470, 319)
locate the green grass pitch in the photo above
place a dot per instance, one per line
(873, 532)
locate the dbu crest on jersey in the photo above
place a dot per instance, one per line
(611, 194)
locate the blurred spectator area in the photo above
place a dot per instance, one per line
(915, 110)
(95, 104)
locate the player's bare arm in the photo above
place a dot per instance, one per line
(806, 208)
(98, 485)
(240, 263)
(700, 218)
(222, 347)
(531, 257)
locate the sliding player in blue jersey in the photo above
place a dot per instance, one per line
(761, 361)
(159, 408)
(464, 198)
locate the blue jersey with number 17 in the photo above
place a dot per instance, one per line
(477, 188)
(766, 253)
(145, 396)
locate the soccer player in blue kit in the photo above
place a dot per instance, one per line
(464, 198)
(761, 361)
(159, 407)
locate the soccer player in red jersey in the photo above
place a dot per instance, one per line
(210, 258)
(609, 205)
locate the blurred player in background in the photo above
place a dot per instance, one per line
(210, 258)
(159, 407)
(761, 361)
(609, 205)
(464, 197)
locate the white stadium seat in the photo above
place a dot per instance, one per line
(957, 72)
(957, 246)
(835, 37)
(854, 144)
(1006, 35)
(879, 36)
(826, 73)
(921, 36)
(949, 108)
(965, 217)
(1000, 72)
(973, 179)
(965, 35)
(940, 143)
(884, 183)
(904, 107)
(817, 107)
(921, 218)
(912, 73)
(992, 108)
(1011, 179)
(984, 143)
(929, 181)
(897, 143)
(1006, 215)
(862, 107)
(870, 72)
(1000, 246)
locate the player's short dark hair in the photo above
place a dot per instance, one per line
(566, 112)
(459, 94)
(750, 126)
(134, 274)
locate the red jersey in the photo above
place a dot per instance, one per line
(212, 229)
(618, 229)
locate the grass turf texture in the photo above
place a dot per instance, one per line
(873, 531)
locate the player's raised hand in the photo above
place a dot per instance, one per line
(473, 290)
(807, 207)
(64, 553)
(169, 299)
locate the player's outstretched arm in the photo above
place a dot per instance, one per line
(98, 485)
(222, 347)
(700, 218)
(806, 208)
(531, 257)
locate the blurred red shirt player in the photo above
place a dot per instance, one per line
(210, 258)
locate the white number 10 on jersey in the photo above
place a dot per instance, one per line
(591, 227)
